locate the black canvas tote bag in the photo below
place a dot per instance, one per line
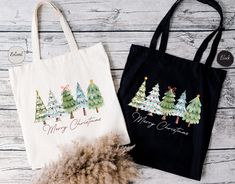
(169, 103)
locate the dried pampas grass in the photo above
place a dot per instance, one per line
(103, 162)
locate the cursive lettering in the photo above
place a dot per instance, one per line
(53, 129)
(141, 120)
(16, 54)
(225, 57)
(164, 125)
(76, 122)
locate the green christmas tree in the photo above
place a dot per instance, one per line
(139, 97)
(168, 103)
(68, 103)
(54, 109)
(41, 111)
(95, 99)
(152, 102)
(193, 111)
(81, 99)
(180, 107)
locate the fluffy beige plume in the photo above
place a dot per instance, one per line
(101, 162)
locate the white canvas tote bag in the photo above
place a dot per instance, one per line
(65, 98)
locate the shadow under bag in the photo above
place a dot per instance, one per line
(170, 103)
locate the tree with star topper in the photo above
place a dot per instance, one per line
(81, 99)
(41, 111)
(140, 96)
(152, 102)
(54, 109)
(193, 111)
(180, 107)
(68, 102)
(95, 99)
(168, 103)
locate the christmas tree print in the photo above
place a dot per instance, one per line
(54, 109)
(41, 111)
(167, 103)
(152, 102)
(81, 99)
(95, 99)
(139, 98)
(68, 102)
(180, 107)
(193, 111)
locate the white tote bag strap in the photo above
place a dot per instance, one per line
(65, 27)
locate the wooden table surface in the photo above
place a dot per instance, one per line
(118, 24)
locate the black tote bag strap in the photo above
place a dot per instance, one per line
(164, 26)
(162, 29)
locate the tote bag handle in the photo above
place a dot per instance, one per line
(163, 30)
(65, 27)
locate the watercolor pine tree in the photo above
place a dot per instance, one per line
(180, 107)
(68, 102)
(193, 111)
(168, 103)
(139, 97)
(81, 99)
(95, 99)
(152, 102)
(54, 109)
(41, 111)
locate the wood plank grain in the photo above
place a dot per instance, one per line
(115, 15)
(227, 96)
(117, 44)
(14, 169)
(222, 135)
(216, 170)
(11, 137)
